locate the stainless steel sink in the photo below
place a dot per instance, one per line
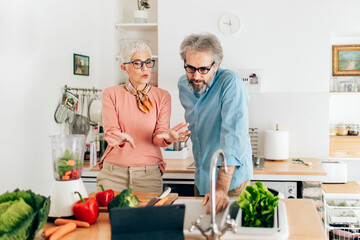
(193, 210)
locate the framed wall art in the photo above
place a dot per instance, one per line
(346, 60)
(81, 65)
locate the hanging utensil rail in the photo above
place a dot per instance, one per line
(82, 89)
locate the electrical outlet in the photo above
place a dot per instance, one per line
(253, 84)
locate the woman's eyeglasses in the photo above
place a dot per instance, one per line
(201, 70)
(137, 64)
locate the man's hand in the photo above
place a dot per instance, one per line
(117, 138)
(222, 187)
(174, 134)
(221, 200)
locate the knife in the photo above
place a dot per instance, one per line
(154, 200)
(298, 160)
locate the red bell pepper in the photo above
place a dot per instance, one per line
(86, 209)
(103, 198)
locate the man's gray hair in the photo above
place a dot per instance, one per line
(202, 42)
(128, 48)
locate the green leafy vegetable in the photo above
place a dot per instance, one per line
(31, 208)
(258, 206)
(68, 167)
(16, 212)
(124, 199)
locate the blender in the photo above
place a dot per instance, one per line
(67, 159)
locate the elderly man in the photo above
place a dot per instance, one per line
(216, 107)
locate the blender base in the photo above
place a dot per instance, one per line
(62, 197)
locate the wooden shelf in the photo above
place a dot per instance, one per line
(344, 146)
(344, 93)
(137, 26)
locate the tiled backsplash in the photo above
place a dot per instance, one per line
(304, 115)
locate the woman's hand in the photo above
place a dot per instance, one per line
(174, 134)
(117, 138)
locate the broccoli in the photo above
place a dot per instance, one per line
(124, 199)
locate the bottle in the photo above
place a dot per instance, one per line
(87, 153)
(103, 143)
(97, 141)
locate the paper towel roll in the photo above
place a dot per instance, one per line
(276, 145)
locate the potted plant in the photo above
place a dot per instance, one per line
(140, 14)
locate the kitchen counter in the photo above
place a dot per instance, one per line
(281, 170)
(351, 187)
(304, 223)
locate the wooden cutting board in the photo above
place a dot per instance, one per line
(144, 198)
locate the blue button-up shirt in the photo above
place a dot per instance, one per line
(218, 119)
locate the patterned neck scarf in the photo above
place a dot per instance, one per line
(142, 99)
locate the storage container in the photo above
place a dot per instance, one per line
(353, 129)
(341, 130)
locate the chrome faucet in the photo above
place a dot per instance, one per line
(213, 232)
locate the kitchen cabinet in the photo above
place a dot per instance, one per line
(179, 175)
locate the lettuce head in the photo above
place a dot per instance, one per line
(22, 214)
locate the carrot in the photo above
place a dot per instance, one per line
(142, 200)
(67, 173)
(62, 221)
(71, 162)
(161, 201)
(64, 177)
(64, 229)
(48, 232)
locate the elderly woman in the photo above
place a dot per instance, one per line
(136, 119)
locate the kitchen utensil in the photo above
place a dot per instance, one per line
(156, 199)
(298, 160)
(65, 110)
(95, 108)
(67, 158)
(80, 124)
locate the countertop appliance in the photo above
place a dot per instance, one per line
(67, 158)
(286, 189)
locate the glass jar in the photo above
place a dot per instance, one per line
(332, 130)
(353, 129)
(341, 130)
(341, 86)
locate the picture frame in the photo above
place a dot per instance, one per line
(346, 60)
(81, 65)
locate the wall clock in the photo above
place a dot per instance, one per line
(229, 24)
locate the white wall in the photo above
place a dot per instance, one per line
(38, 39)
(288, 41)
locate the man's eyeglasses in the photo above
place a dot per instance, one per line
(201, 70)
(137, 64)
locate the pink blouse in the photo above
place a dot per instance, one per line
(120, 112)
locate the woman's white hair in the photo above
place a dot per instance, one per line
(130, 47)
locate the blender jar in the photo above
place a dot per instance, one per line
(68, 155)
